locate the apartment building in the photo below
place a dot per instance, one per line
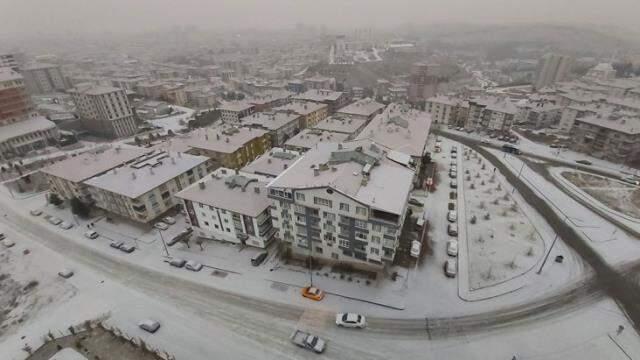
(21, 129)
(552, 68)
(310, 138)
(334, 99)
(228, 207)
(144, 189)
(447, 110)
(312, 113)
(270, 99)
(43, 78)
(614, 136)
(272, 163)
(342, 204)
(10, 61)
(232, 112)
(66, 177)
(365, 109)
(540, 114)
(342, 124)
(490, 113)
(319, 82)
(104, 110)
(228, 146)
(280, 125)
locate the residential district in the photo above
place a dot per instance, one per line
(181, 200)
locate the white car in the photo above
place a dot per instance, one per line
(451, 268)
(453, 184)
(452, 247)
(169, 220)
(8, 243)
(193, 265)
(351, 320)
(160, 225)
(91, 234)
(35, 212)
(452, 216)
(149, 325)
(54, 221)
(454, 155)
(484, 141)
(415, 248)
(65, 225)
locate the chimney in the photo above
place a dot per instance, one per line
(206, 136)
(201, 185)
(285, 166)
(226, 140)
(151, 170)
(133, 176)
(316, 172)
(173, 160)
(256, 190)
(217, 136)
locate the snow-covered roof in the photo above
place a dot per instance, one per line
(272, 163)
(7, 74)
(270, 120)
(339, 123)
(319, 95)
(235, 106)
(363, 107)
(222, 139)
(24, 127)
(301, 107)
(399, 128)
(309, 138)
(497, 104)
(146, 173)
(68, 354)
(238, 193)
(615, 122)
(341, 167)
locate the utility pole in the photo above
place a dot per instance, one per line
(547, 256)
(163, 243)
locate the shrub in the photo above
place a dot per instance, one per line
(473, 219)
(487, 216)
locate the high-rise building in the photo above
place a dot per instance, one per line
(551, 69)
(422, 85)
(43, 78)
(21, 129)
(104, 110)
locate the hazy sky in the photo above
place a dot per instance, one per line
(26, 16)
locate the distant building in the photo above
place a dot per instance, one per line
(280, 125)
(269, 99)
(342, 124)
(10, 61)
(232, 112)
(229, 207)
(552, 68)
(43, 78)
(296, 86)
(491, 113)
(312, 113)
(310, 138)
(447, 110)
(540, 114)
(422, 84)
(21, 129)
(334, 99)
(320, 82)
(601, 72)
(343, 204)
(104, 110)
(272, 163)
(144, 189)
(365, 109)
(614, 136)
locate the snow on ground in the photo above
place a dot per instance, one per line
(175, 122)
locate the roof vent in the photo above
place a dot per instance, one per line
(201, 185)
(226, 140)
(133, 175)
(316, 172)
(285, 166)
(256, 190)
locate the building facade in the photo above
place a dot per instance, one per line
(44, 78)
(311, 113)
(104, 110)
(552, 68)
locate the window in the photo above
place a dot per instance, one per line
(360, 224)
(216, 226)
(375, 239)
(376, 227)
(361, 236)
(299, 196)
(321, 201)
(206, 223)
(329, 216)
(228, 230)
(374, 251)
(334, 256)
(344, 243)
(222, 211)
(299, 208)
(344, 207)
(361, 211)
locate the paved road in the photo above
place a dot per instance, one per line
(622, 288)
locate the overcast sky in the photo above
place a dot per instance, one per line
(25, 16)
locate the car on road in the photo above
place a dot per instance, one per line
(584, 162)
(8, 243)
(149, 325)
(160, 225)
(493, 136)
(312, 293)
(453, 174)
(65, 273)
(308, 341)
(54, 220)
(452, 216)
(66, 225)
(116, 244)
(453, 184)
(451, 268)
(169, 220)
(91, 234)
(415, 202)
(416, 247)
(193, 266)
(35, 212)
(452, 229)
(631, 180)
(452, 247)
(484, 141)
(508, 148)
(128, 248)
(183, 234)
(179, 263)
(351, 320)
(258, 258)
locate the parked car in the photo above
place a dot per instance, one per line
(484, 141)
(35, 212)
(452, 229)
(177, 262)
(183, 234)
(454, 149)
(65, 273)
(415, 202)
(149, 325)
(193, 266)
(351, 320)
(66, 225)
(452, 247)
(2, 236)
(584, 162)
(8, 243)
(168, 220)
(454, 155)
(91, 234)
(128, 248)
(453, 174)
(116, 244)
(452, 216)
(313, 293)
(415, 248)
(160, 225)
(54, 220)
(511, 149)
(493, 136)
(258, 258)
(451, 268)
(454, 184)
(308, 341)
